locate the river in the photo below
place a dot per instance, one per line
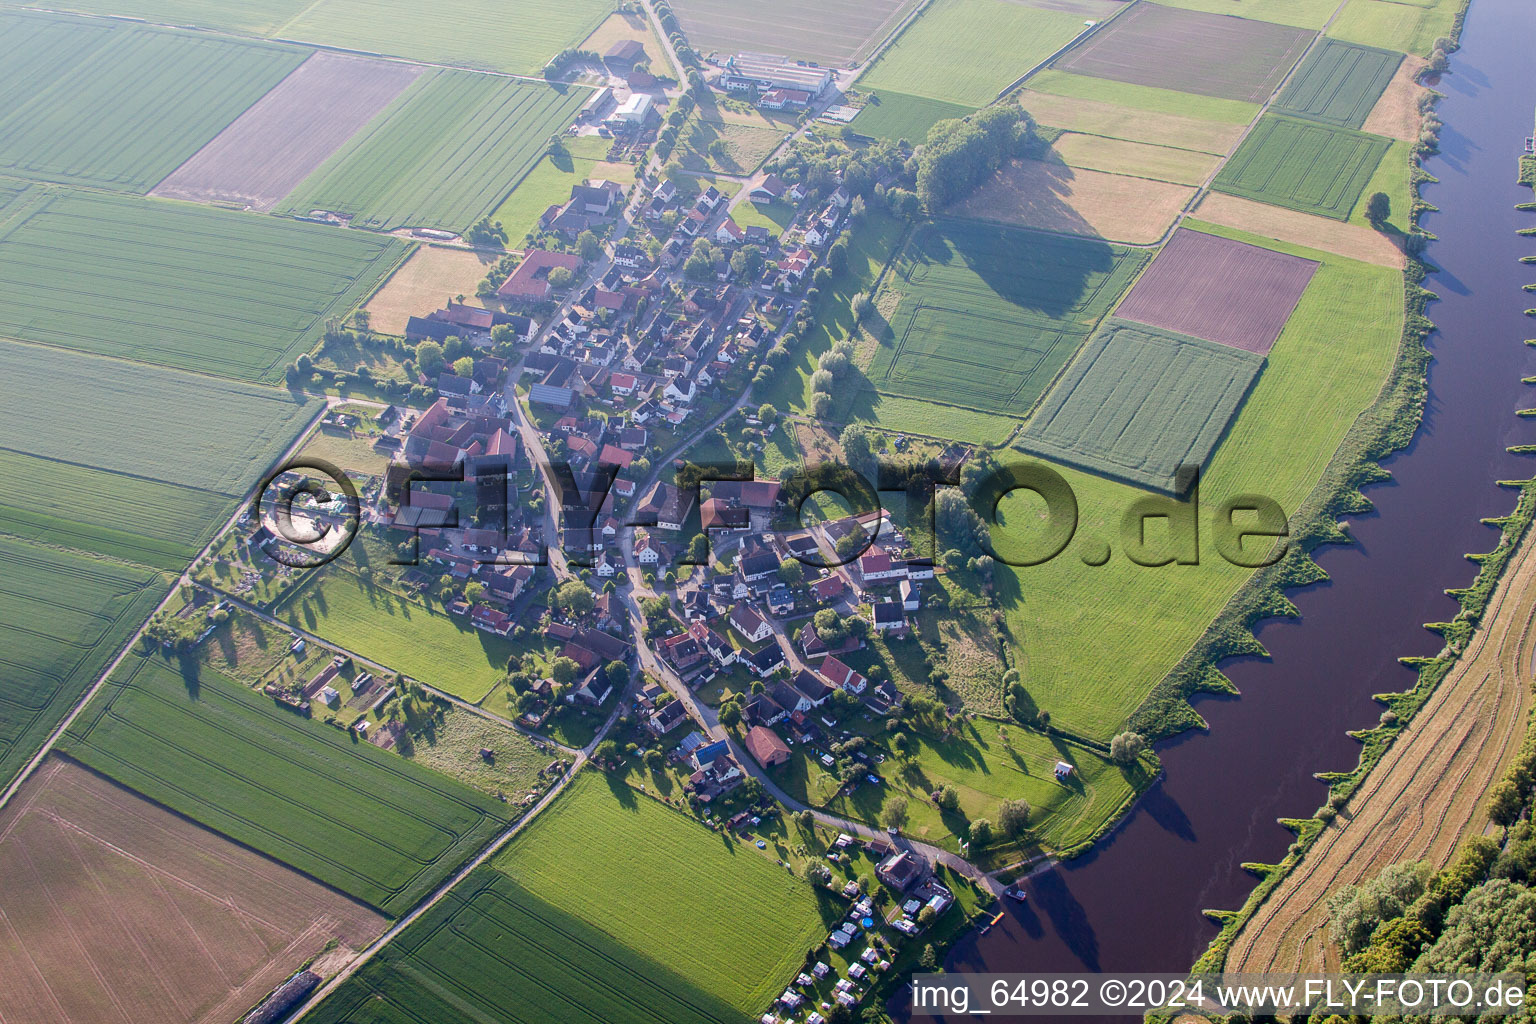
(1134, 902)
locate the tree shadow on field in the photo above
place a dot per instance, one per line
(191, 670)
(621, 791)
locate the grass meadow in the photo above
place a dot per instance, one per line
(1144, 97)
(1411, 26)
(184, 286)
(443, 155)
(1303, 165)
(899, 115)
(726, 919)
(423, 642)
(549, 183)
(491, 945)
(1094, 640)
(119, 106)
(1112, 121)
(967, 51)
(63, 616)
(337, 808)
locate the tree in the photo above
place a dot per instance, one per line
(589, 245)
(981, 833)
(821, 381)
(464, 367)
(1504, 803)
(747, 262)
(573, 597)
(1125, 748)
(474, 590)
(429, 356)
(947, 798)
(893, 813)
(930, 959)
(655, 759)
(617, 673)
(791, 572)
(1378, 208)
(858, 452)
(563, 670)
(767, 413)
(1013, 817)
(821, 404)
(607, 752)
(1354, 911)
(560, 277)
(805, 820)
(926, 915)
(730, 714)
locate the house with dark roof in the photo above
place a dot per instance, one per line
(765, 662)
(749, 624)
(888, 616)
(669, 717)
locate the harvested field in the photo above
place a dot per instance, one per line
(462, 33)
(1358, 243)
(1205, 54)
(840, 32)
(1139, 403)
(1219, 290)
(1396, 114)
(289, 132)
(184, 286)
(1054, 197)
(967, 51)
(63, 617)
(1303, 165)
(116, 911)
(624, 25)
(988, 315)
(120, 106)
(429, 278)
(1135, 159)
(443, 155)
(1111, 120)
(1426, 794)
(1339, 83)
(356, 817)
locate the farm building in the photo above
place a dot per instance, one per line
(530, 281)
(634, 112)
(625, 51)
(766, 72)
(764, 744)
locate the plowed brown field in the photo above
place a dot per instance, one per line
(1427, 793)
(115, 911)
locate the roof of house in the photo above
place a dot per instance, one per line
(763, 743)
(531, 278)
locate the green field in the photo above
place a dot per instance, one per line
(442, 155)
(899, 115)
(722, 916)
(1140, 402)
(1143, 97)
(1411, 26)
(967, 51)
(228, 15)
(1094, 641)
(356, 817)
(404, 634)
(1338, 83)
(988, 315)
(491, 951)
(985, 773)
(118, 106)
(183, 450)
(840, 32)
(1301, 165)
(462, 33)
(63, 617)
(185, 286)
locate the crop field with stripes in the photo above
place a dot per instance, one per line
(62, 618)
(1339, 83)
(356, 817)
(443, 155)
(120, 106)
(1303, 165)
(183, 286)
(988, 315)
(183, 450)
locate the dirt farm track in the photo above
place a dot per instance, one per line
(115, 911)
(1427, 792)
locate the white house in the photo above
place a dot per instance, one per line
(750, 624)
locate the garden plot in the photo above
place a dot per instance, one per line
(988, 315)
(120, 106)
(1339, 83)
(1303, 165)
(1206, 54)
(1139, 403)
(1220, 290)
(289, 132)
